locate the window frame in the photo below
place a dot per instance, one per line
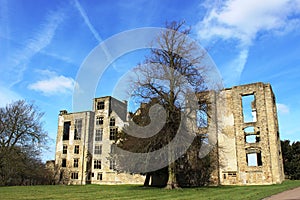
(113, 133)
(258, 159)
(77, 129)
(65, 149)
(97, 164)
(63, 162)
(75, 162)
(112, 164)
(100, 105)
(74, 175)
(99, 120)
(76, 149)
(98, 149)
(66, 130)
(99, 134)
(112, 121)
(99, 176)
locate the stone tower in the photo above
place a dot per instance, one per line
(248, 136)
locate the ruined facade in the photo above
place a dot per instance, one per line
(84, 143)
(245, 130)
(249, 148)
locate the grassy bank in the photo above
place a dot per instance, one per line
(138, 192)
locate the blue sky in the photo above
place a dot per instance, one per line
(44, 43)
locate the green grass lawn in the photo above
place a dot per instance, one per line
(139, 192)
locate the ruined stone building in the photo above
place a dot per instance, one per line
(245, 129)
(84, 143)
(249, 148)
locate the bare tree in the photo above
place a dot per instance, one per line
(168, 74)
(21, 140)
(20, 124)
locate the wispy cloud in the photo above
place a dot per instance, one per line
(282, 108)
(53, 84)
(87, 21)
(7, 96)
(93, 30)
(40, 40)
(59, 57)
(235, 68)
(242, 21)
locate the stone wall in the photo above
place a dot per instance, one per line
(113, 116)
(249, 143)
(242, 130)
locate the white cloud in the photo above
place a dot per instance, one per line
(53, 84)
(243, 20)
(282, 108)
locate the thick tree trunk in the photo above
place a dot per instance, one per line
(172, 181)
(147, 180)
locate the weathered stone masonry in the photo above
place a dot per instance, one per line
(246, 130)
(249, 147)
(84, 143)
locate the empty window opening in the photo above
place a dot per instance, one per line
(74, 175)
(249, 108)
(112, 122)
(65, 149)
(63, 163)
(61, 176)
(97, 164)
(100, 105)
(259, 161)
(112, 133)
(112, 164)
(204, 139)
(254, 159)
(251, 138)
(249, 130)
(99, 120)
(99, 134)
(98, 149)
(76, 149)
(201, 117)
(250, 135)
(257, 136)
(99, 176)
(66, 130)
(112, 148)
(78, 129)
(75, 164)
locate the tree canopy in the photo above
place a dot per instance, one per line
(171, 77)
(291, 159)
(21, 139)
